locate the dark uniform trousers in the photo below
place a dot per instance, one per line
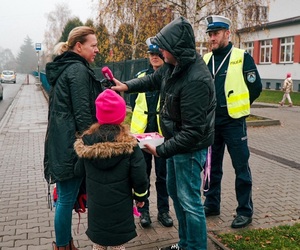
(234, 135)
(160, 183)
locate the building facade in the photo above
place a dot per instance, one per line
(273, 41)
(275, 47)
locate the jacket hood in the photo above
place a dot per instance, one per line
(60, 63)
(177, 38)
(106, 154)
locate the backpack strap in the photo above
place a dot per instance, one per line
(49, 199)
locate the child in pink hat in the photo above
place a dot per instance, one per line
(287, 88)
(113, 164)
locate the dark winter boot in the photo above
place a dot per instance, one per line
(61, 248)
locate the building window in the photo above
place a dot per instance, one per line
(201, 48)
(257, 13)
(286, 50)
(265, 51)
(249, 47)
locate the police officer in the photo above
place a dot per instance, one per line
(237, 84)
(145, 108)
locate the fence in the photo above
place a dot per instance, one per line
(123, 71)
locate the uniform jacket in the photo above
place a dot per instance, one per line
(74, 90)
(237, 95)
(187, 104)
(114, 168)
(251, 78)
(151, 99)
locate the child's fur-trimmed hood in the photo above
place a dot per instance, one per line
(105, 149)
(92, 146)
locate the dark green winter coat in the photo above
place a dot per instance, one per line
(116, 174)
(72, 96)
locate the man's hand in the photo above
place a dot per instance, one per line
(150, 149)
(120, 87)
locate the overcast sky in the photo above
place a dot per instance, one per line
(19, 18)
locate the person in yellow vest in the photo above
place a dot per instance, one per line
(237, 85)
(145, 118)
(186, 119)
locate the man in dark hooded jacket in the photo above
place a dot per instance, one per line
(187, 109)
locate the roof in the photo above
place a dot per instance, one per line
(280, 23)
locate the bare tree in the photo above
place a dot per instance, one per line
(56, 21)
(139, 14)
(7, 60)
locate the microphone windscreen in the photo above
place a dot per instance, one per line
(107, 73)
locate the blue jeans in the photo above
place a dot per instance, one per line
(160, 183)
(234, 135)
(67, 192)
(183, 184)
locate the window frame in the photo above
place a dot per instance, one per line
(202, 48)
(265, 52)
(286, 49)
(249, 47)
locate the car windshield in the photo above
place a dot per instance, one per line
(8, 72)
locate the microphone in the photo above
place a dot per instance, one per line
(107, 73)
(108, 81)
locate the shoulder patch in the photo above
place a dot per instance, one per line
(251, 77)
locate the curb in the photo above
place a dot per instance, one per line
(211, 236)
(263, 121)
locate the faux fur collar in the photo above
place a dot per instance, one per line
(124, 145)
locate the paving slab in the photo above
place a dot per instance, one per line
(26, 222)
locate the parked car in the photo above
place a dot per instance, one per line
(1, 92)
(8, 76)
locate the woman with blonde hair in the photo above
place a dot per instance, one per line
(74, 89)
(60, 48)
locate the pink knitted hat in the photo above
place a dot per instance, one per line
(288, 75)
(110, 108)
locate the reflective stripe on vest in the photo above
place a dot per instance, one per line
(236, 90)
(139, 118)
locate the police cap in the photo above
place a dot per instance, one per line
(215, 22)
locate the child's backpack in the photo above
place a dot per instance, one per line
(81, 201)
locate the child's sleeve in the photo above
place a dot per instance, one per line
(138, 175)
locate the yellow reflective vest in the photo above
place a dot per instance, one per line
(236, 90)
(139, 117)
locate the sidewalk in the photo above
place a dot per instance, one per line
(26, 223)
